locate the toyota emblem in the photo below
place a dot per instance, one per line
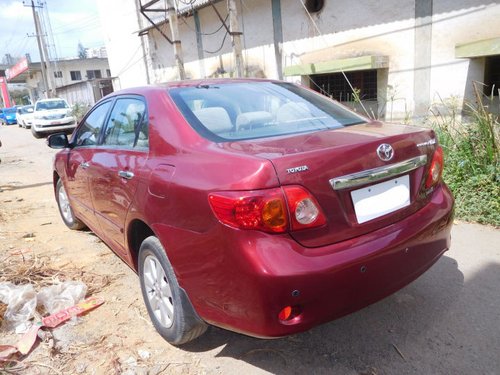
(385, 152)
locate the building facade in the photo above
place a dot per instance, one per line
(397, 57)
(82, 81)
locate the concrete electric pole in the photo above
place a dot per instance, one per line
(40, 42)
(174, 28)
(235, 36)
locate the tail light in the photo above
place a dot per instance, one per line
(304, 209)
(436, 169)
(272, 210)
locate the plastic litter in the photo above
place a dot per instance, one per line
(22, 300)
(60, 296)
(21, 303)
(26, 342)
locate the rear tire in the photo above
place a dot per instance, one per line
(167, 303)
(69, 218)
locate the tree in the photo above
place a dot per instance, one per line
(82, 51)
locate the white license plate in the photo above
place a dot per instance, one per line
(380, 199)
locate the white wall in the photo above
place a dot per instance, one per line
(81, 65)
(119, 21)
(35, 81)
(415, 47)
(451, 76)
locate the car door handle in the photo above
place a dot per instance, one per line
(126, 174)
(84, 165)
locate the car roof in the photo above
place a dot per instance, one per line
(187, 83)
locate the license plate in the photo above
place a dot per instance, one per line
(380, 199)
(55, 122)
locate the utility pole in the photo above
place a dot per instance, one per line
(48, 68)
(144, 50)
(176, 41)
(235, 36)
(40, 49)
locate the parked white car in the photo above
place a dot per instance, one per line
(24, 116)
(51, 116)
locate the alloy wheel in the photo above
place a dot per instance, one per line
(64, 205)
(158, 291)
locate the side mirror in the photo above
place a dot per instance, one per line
(58, 140)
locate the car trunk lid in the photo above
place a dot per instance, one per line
(357, 190)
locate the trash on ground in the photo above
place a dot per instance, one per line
(60, 296)
(22, 300)
(21, 303)
(26, 342)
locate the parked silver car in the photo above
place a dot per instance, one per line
(51, 116)
(24, 116)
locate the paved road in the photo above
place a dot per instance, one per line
(446, 322)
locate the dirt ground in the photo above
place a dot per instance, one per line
(446, 322)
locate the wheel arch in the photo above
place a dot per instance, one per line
(137, 232)
(55, 178)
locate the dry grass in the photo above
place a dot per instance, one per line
(25, 267)
(28, 268)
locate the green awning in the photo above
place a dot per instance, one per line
(485, 47)
(334, 66)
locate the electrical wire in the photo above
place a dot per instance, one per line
(81, 21)
(324, 41)
(204, 34)
(188, 3)
(14, 32)
(143, 56)
(128, 64)
(221, 46)
(90, 25)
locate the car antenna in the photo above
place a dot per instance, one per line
(205, 86)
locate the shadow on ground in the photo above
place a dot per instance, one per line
(420, 329)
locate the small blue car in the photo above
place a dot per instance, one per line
(8, 115)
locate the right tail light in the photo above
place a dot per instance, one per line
(436, 169)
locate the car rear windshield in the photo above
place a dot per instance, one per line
(53, 104)
(10, 110)
(239, 111)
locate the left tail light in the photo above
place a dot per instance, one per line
(436, 168)
(271, 210)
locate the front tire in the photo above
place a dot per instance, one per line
(35, 133)
(168, 305)
(69, 218)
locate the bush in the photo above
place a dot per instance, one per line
(472, 168)
(79, 110)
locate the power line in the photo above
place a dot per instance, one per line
(222, 44)
(13, 34)
(326, 44)
(89, 25)
(126, 66)
(204, 34)
(83, 20)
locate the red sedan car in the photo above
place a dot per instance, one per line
(258, 206)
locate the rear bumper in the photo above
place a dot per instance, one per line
(243, 284)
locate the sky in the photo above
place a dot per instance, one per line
(71, 21)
